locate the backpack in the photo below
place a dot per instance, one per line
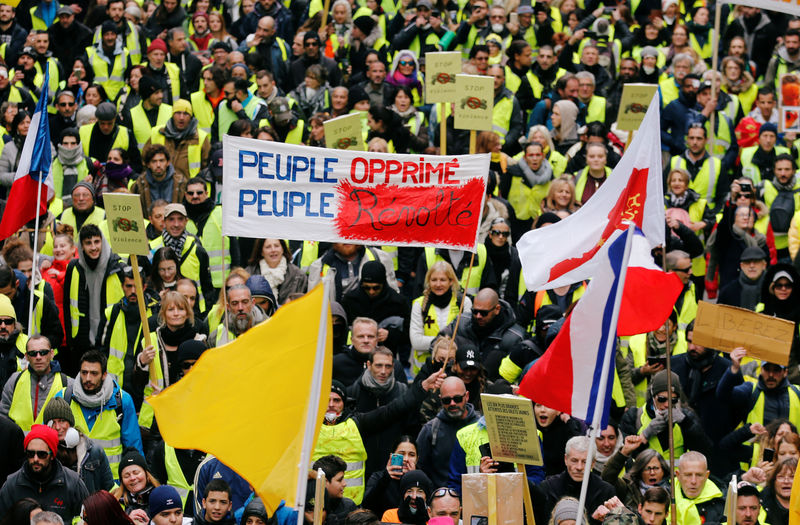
(782, 210)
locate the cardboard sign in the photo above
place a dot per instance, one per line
(494, 499)
(474, 102)
(789, 102)
(344, 133)
(511, 425)
(126, 227)
(730, 500)
(724, 328)
(440, 76)
(633, 105)
(782, 6)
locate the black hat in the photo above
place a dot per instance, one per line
(745, 488)
(105, 111)
(753, 253)
(659, 383)
(373, 272)
(147, 86)
(255, 508)
(109, 27)
(415, 478)
(338, 388)
(467, 356)
(365, 23)
(221, 45)
(131, 457)
(190, 350)
(356, 94)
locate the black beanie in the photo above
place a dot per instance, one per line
(147, 86)
(373, 272)
(416, 478)
(132, 457)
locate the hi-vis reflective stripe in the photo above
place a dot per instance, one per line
(194, 165)
(501, 131)
(471, 469)
(119, 354)
(73, 319)
(184, 493)
(472, 290)
(108, 443)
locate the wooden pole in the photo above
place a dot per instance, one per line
(140, 300)
(473, 140)
(325, 9)
(526, 496)
(319, 497)
(443, 129)
(714, 61)
(672, 508)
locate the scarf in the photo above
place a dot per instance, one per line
(440, 301)
(751, 291)
(176, 243)
(789, 186)
(171, 132)
(117, 172)
(644, 486)
(69, 159)
(176, 337)
(274, 276)
(657, 348)
(696, 367)
(376, 388)
(161, 189)
(399, 79)
(540, 176)
(407, 114)
(96, 400)
(95, 271)
(677, 201)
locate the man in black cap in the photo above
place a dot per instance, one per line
(98, 138)
(363, 38)
(419, 31)
(745, 292)
(290, 129)
(748, 504)
(110, 60)
(148, 114)
(68, 37)
(312, 54)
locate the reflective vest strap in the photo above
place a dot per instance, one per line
(175, 475)
(654, 443)
(21, 410)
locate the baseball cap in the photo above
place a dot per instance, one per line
(65, 10)
(425, 3)
(466, 357)
(174, 208)
(782, 275)
(280, 110)
(525, 9)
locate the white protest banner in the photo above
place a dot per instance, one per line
(782, 6)
(303, 193)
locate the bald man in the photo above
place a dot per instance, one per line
(492, 328)
(437, 438)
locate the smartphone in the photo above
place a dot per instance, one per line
(513, 18)
(769, 455)
(746, 187)
(502, 466)
(657, 361)
(396, 460)
(608, 10)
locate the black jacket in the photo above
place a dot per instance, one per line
(435, 443)
(350, 364)
(62, 491)
(548, 492)
(11, 438)
(694, 437)
(70, 43)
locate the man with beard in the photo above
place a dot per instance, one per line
(92, 283)
(43, 478)
(785, 60)
(437, 438)
(11, 33)
(675, 117)
(628, 69)
(312, 54)
(12, 340)
(75, 451)
(415, 488)
(26, 393)
(102, 410)
(188, 146)
(649, 72)
(700, 370)
(272, 48)
(242, 314)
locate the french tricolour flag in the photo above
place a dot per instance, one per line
(567, 376)
(34, 166)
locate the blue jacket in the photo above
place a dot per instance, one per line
(738, 393)
(675, 120)
(241, 493)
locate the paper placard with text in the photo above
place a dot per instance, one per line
(633, 105)
(440, 76)
(782, 6)
(474, 102)
(126, 226)
(725, 328)
(344, 133)
(511, 425)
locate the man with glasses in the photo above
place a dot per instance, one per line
(313, 54)
(205, 222)
(241, 315)
(437, 438)
(64, 117)
(43, 478)
(12, 340)
(26, 393)
(651, 424)
(444, 502)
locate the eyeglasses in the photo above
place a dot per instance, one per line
(406, 63)
(483, 313)
(193, 193)
(440, 493)
(311, 44)
(7, 321)
(371, 287)
(784, 286)
(501, 233)
(664, 399)
(652, 468)
(456, 399)
(683, 270)
(37, 353)
(41, 454)
(66, 104)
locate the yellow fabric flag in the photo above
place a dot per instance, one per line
(257, 403)
(794, 502)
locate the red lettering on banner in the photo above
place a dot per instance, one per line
(388, 213)
(629, 207)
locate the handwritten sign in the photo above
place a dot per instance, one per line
(344, 133)
(126, 227)
(726, 327)
(440, 75)
(474, 102)
(782, 6)
(296, 192)
(633, 105)
(512, 430)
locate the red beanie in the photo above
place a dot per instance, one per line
(46, 434)
(157, 44)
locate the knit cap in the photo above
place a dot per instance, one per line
(565, 509)
(130, 458)
(58, 408)
(6, 308)
(182, 105)
(164, 498)
(157, 44)
(147, 86)
(84, 184)
(46, 434)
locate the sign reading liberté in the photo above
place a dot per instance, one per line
(294, 192)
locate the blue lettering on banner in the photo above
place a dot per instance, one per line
(243, 164)
(274, 166)
(271, 203)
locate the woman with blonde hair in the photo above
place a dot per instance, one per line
(560, 198)
(436, 308)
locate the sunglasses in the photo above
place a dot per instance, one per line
(311, 44)
(66, 104)
(664, 399)
(783, 286)
(440, 493)
(193, 193)
(41, 454)
(371, 287)
(682, 270)
(7, 321)
(37, 353)
(502, 234)
(454, 399)
(483, 313)
(406, 63)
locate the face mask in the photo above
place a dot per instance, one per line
(690, 97)
(497, 28)
(649, 70)
(330, 417)
(426, 26)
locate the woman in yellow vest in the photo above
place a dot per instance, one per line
(737, 80)
(435, 309)
(411, 118)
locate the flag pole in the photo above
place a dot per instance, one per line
(672, 502)
(600, 399)
(313, 398)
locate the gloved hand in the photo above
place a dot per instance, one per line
(657, 425)
(678, 414)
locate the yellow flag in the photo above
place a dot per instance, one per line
(257, 403)
(794, 502)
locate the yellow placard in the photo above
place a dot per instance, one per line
(724, 328)
(344, 133)
(440, 76)
(12, 3)
(474, 102)
(511, 425)
(633, 105)
(126, 227)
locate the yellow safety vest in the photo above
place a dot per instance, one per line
(677, 437)
(756, 414)
(749, 169)
(174, 75)
(526, 200)
(175, 477)
(580, 185)
(142, 129)
(120, 140)
(596, 110)
(705, 182)
(344, 440)
(703, 51)
(97, 217)
(114, 80)
(118, 343)
(501, 117)
(770, 192)
(190, 264)
(669, 90)
(106, 432)
(471, 287)
(113, 295)
(57, 169)
(471, 437)
(195, 152)
(687, 508)
(131, 42)
(21, 410)
(430, 327)
(212, 242)
(203, 111)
